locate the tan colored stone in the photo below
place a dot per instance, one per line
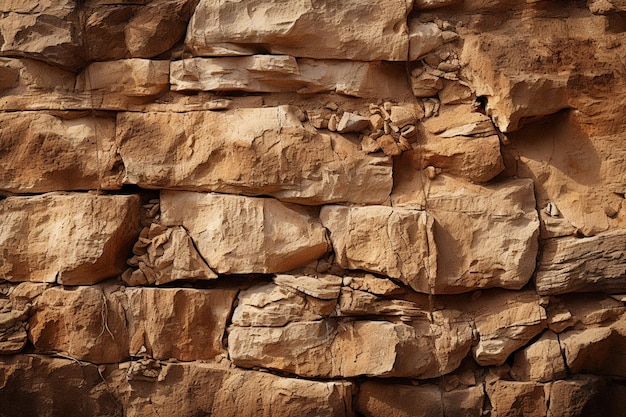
(541, 361)
(331, 348)
(46, 31)
(289, 298)
(250, 151)
(69, 238)
(584, 395)
(433, 4)
(283, 73)
(517, 399)
(36, 385)
(42, 152)
(361, 303)
(372, 284)
(165, 255)
(504, 322)
(357, 30)
(177, 323)
(13, 320)
(236, 234)
(606, 7)
(377, 399)
(380, 239)
(572, 264)
(186, 389)
(423, 38)
(114, 85)
(83, 323)
(470, 222)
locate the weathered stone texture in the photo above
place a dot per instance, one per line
(68, 238)
(237, 235)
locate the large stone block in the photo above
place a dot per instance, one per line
(572, 264)
(282, 73)
(486, 235)
(78, 238)
(390, 241)
(330, 348)
(262, 151)
(239, 235)
(42, 152)
(355, 29)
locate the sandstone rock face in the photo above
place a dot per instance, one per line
(572, 264)
(225, 155)
(312, 208)
(395, 242)
(41, 152)
(226, 229)
(315, 30)
(66, 238)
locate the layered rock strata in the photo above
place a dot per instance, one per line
(312, 208)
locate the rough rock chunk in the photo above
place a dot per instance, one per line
(13, 336)
(250, 151)
(236, 234)
(41, 152)
(71, 238)
(510, 398)
(541, 361)
(572, 264)
(330, 348)
(470, 223)
(116, 84)
(395, 242)
(83, 323)
(41, 386)
(282, 73)
(505, 321)
(46, 31)
(423, 38)
(186, 389)
(376, 399)
(179, 323)
(358, 30)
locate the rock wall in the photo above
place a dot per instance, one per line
(312, 208)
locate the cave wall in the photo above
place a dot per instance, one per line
(312, 208)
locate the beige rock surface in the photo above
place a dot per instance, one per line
(236, 234)
(486, 235)
(250, 151)
(357, 30)
(512, 398)
(330, 348)
(77, 238)
(83, 323)
(43, 152)
(380, 239)
(283, 73)
(572, 264)
(541, 361)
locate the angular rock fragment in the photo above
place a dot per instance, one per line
(41, 152)
(179, 323)
(504, 322)
(166, 254)
(73, 239)
(572, 264)
(289, 298)
(584, 395)
(394, 242)
(238, 235)
(330, 348)
(541, 361)
(487, 236)
(250, 151)
(46, 31)
(283, 73)
(512, 398)
(83, 323)
(358, 30)
(185, 389)
(362, 303)
(423, 38)
(13, 321)
(41, 386)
